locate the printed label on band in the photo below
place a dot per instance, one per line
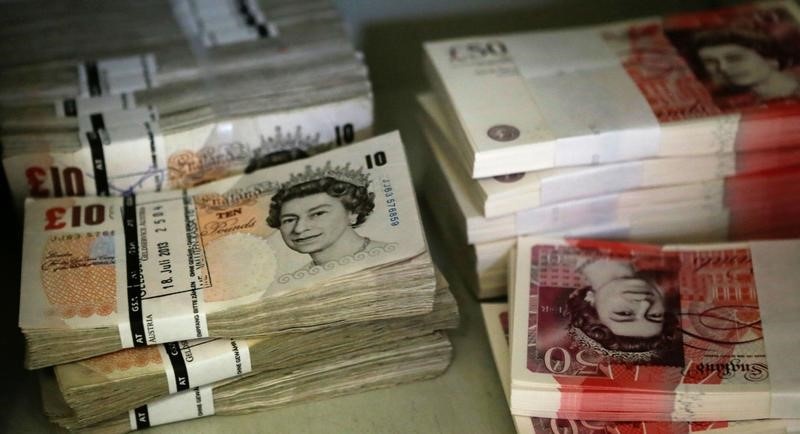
(98, 157)
(133, 272)
(114, 76)
(166, 272)
(204, 361)
(190, 404)
(92, 79)
(126, 128)
(138, 160)
(80, 106)
(222, 22)
(120, 118)
(177, 377)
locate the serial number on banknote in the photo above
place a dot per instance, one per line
(391, 202)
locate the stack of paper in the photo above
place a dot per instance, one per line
(101, 388)
(622, 331)
(643, 130)
(168, 95)
(288, 268)
(496, 318)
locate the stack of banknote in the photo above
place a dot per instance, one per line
(411, 359)
(87, 385)
(496, 318)
(306, 280)
(612, 331)
(682, 128)
(170, 94)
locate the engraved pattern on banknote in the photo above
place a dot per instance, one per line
(241, 264)
(282, 148)
(662, 75)
(721, 322)
(710, 295)
(69, 289)
(124, 360)
(311, 269)
(189, 168)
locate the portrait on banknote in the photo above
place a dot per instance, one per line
(607, 312)
(745, 56)
(612, 309)
(601, 308)
(318, 211)
(312, 221)
(622, 313)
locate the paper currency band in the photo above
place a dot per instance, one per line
(222, 23)
(92, 78)
(251, 14)
(560, 67)
(133, 271)
(141, 417)
(81, 106)
(179, 372)
(147, 72)
(190, 404)
(112, 76)
(154, 152)
(203, 361)
(778, 304)
(99, 166)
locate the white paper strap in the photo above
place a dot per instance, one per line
(586, 97)
(191, 404)
(775, 265)
(117, 75)
(591, 182)
(160, 288)
(126, 150)
(598, 115)
(73, 107)
(558, 217)
(544, 54)
(200, 362)
(222, 22)
(128, 123)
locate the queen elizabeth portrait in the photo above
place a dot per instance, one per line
(318, 211)
(625, 315)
